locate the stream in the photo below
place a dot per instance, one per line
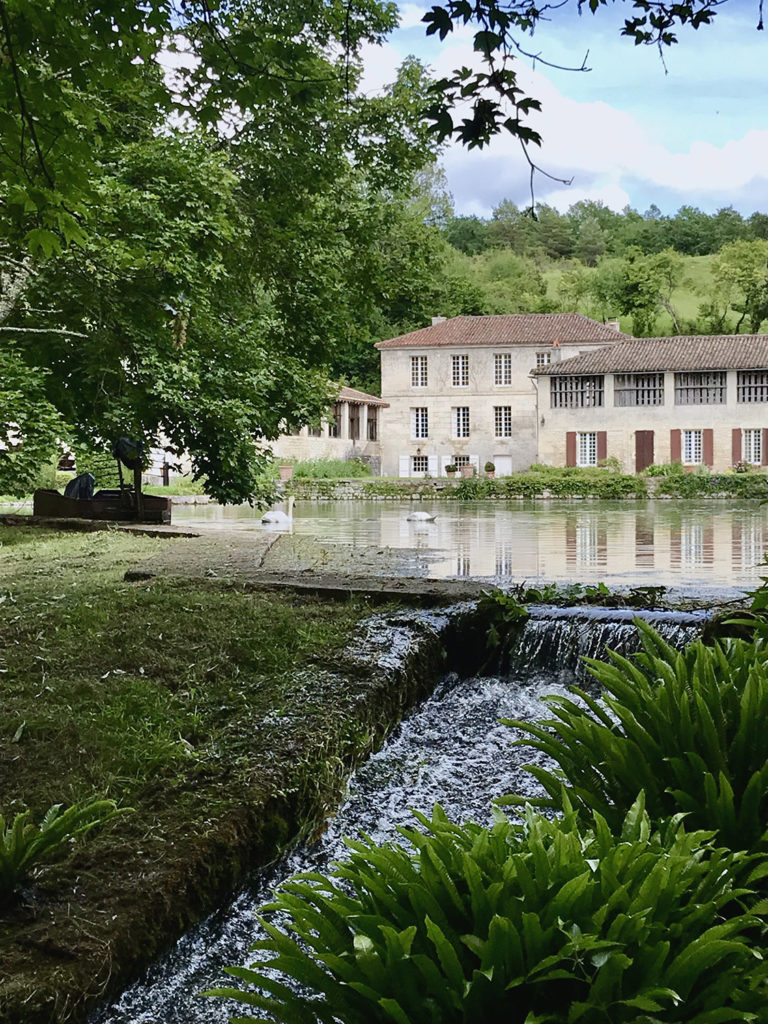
(452, 749)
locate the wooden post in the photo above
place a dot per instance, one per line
(137, 491)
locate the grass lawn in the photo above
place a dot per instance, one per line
(225, 717)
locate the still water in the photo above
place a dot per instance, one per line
(688, 544)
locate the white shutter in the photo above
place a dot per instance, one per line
(474, 460)
(413, 429)
(404, 465)
(503, 464)
(445, 460)
(432, 464)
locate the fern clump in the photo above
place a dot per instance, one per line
(23, 845)
(688, 727)
(544, 922)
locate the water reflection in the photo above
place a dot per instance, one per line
(707, 544)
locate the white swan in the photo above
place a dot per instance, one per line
(421, 517)
(276, 516)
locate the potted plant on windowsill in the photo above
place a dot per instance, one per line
(451, 470)
(490, 470)
(468, 470)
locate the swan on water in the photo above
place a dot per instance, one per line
(421, 517)
(278, 517)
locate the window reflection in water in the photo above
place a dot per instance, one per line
(586, 542)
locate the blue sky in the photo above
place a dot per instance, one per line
(627, 130)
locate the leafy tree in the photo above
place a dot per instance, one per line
(638, 285)
(591, 242)
(30, 425)
(740, 274)
(469, 235)
(205, 301)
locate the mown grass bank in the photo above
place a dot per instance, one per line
(226, 718)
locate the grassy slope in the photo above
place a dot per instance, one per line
(686, 299)
(213, 712)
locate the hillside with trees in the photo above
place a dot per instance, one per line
(690, 272)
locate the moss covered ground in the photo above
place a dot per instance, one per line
(226, 718)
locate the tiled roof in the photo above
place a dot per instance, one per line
(359, 397)
(507, 329)
(685, 352)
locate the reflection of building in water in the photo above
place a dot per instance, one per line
(463, 563)
(748, 543)
(691, 544)
(644, 542)
(585, 541)
(505, 560)
(626, 546)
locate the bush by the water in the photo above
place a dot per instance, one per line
(548, 922)
(320, 469)
(558, 482)
(705, 485)
(689, 727)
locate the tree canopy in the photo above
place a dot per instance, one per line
(183, 256)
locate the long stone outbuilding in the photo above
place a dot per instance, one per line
(701, 400)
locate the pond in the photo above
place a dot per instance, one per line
(693, 545)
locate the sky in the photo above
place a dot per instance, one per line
(628, 131)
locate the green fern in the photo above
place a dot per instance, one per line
(23, 844)
(688, 727)
(547, 922)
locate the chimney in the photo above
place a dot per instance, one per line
(613, 323)
(438, 320)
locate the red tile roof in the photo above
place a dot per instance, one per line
(685, 352)
(508, 329)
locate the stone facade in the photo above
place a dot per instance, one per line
(696, 400)
(352, 432)
(461, 391)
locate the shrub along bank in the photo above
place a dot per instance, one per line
(542, 482)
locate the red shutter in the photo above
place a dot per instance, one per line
(602, 445)
(736, 445)
(707, 446)
(764, 448)
(570, 448)
(675, 446)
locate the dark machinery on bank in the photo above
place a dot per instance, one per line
(127, 503)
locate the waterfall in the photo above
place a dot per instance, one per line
(451, 749)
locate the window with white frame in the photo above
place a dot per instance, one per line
(419, 464)
(752, 446)
(419, 422)
(586, 448)
(692, 450)
(460, 460)
(502, 368)
(752, 386)
(460, 371)
(700, 388)
(461, 421)
(576, 392)
(418, 371)
(502, 420)
(543, 359)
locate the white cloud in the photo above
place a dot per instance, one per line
(610, 154)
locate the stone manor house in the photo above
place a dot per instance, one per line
(565, 390)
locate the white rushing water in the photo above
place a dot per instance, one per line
(452, 750)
